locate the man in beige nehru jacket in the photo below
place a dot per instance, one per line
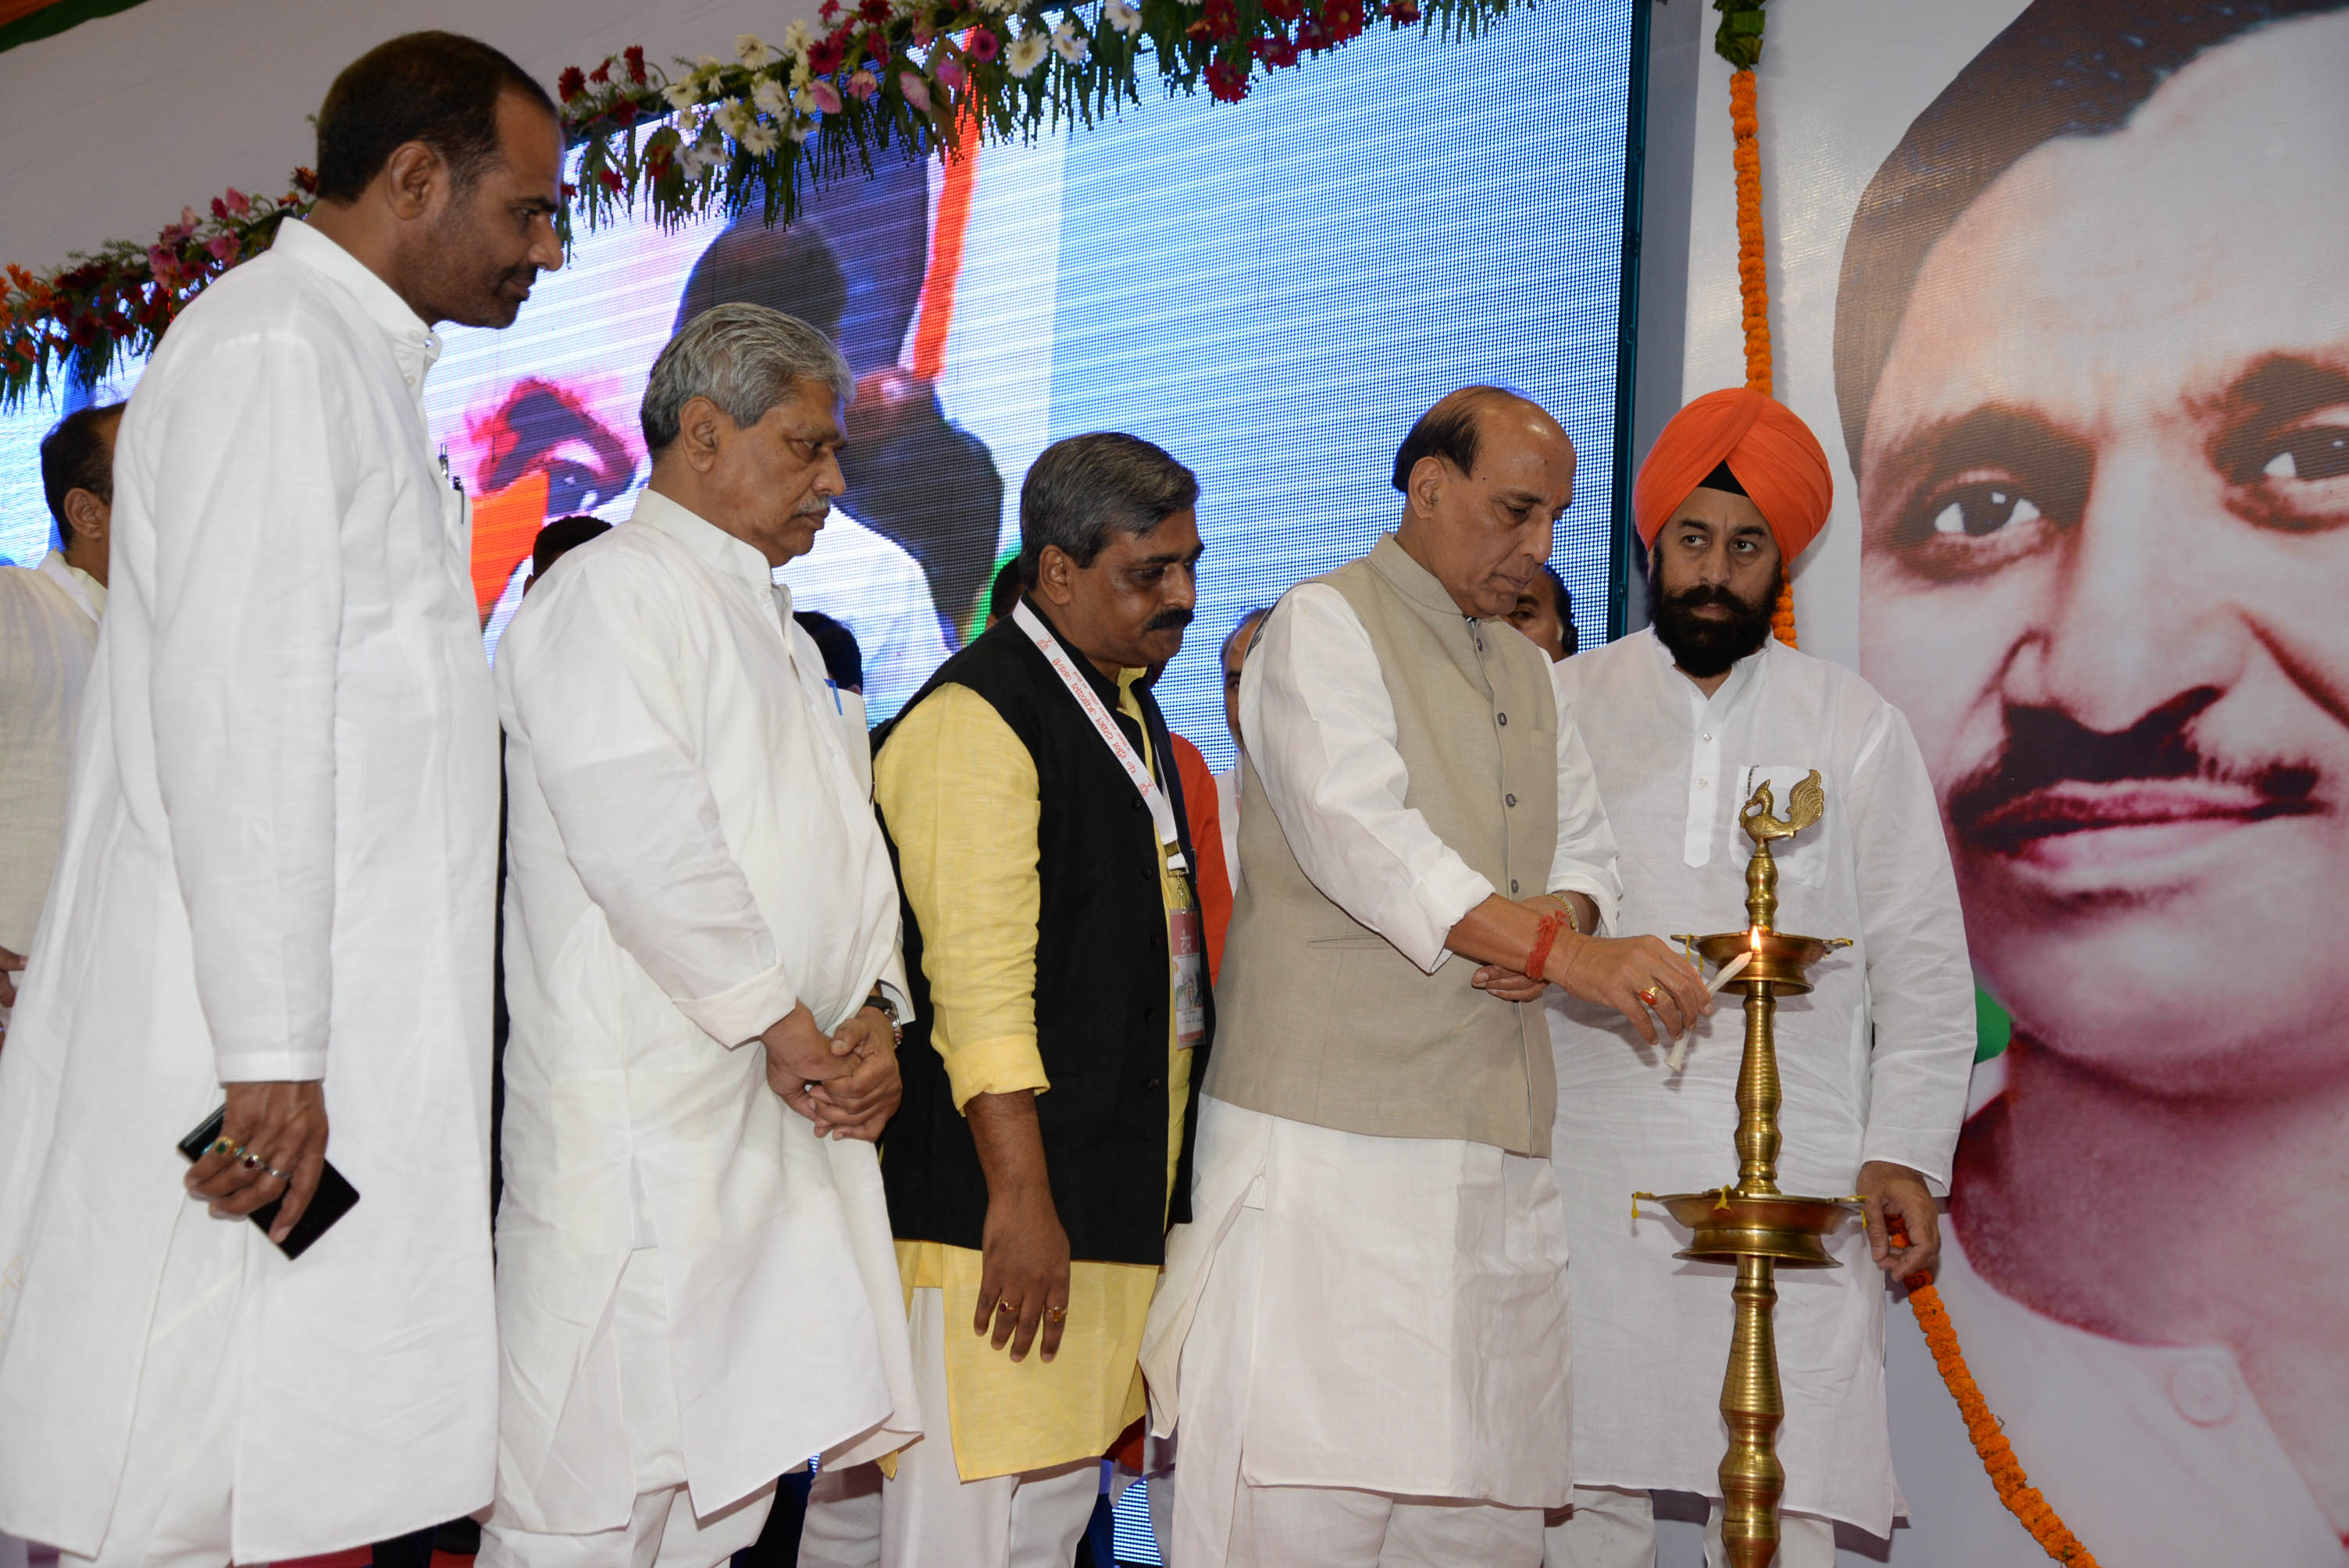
(1363, 1328)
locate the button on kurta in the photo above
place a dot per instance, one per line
(2202, 1391)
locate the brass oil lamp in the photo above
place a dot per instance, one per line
(1752, 1225)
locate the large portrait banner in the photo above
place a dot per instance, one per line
(2070, 280)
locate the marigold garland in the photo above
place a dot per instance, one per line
(2014, 1488)
(1754, 281)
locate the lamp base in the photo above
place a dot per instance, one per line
(1730, 1225)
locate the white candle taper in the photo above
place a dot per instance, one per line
(1729, 971)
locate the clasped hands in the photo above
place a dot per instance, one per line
(1636, 975)
(846, 1082)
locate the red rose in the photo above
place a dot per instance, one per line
(1227, 82)
(829, 11)
(635, 56)
(1222, 18)
(571, 83)
(984, 44)
(874, 10)
(602, 75)
(824, 55)
(220, 209)
(625, 112)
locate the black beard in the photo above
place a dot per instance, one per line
(1708, 648)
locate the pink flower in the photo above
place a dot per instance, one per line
(238, 202)
(983, 45)
(916, 91)
(223, 247)
(862, 86)
(923, 34)
(824, 96)
(951, 75)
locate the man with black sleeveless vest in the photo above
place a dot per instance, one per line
(1367, 1312)
(1060, 1014)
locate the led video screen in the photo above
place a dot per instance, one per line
(1272, 291)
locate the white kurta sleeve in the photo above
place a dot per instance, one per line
(256, 474)
(599, 683)
(1321, 736)
(1584, 860)
(1919, 980)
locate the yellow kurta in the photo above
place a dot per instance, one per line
(959, 793)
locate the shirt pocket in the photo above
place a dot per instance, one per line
(1804, 858)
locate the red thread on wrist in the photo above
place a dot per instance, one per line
(1545, 935)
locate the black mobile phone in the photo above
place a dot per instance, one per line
(330, 1202)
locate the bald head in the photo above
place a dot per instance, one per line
(1485, 474)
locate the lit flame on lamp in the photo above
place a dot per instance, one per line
(1729, 971)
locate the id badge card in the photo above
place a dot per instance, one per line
(1187, 940)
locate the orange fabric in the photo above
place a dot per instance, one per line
(947, 232)
(1772, 453)
(1203, 811)
(505, 525)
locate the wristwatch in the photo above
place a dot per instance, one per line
(879, 1001)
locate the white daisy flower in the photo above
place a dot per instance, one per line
(1026, 53)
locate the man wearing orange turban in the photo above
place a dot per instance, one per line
(1683, 721)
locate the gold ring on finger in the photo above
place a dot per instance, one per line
(1650, 996)
(224, 1144)
(1055, 1314)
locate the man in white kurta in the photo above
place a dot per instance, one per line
(1683, 721)
(48, 635)
(1362, 1331)
(277, 877)
(697, 1290)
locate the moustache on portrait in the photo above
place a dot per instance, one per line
(2053, 775)
(1174, 618)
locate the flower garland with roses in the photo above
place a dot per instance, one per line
(873, 78)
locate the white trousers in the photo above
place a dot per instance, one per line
(932, 1518)
(1617, 1529)
(1280, 1526)
(663, 1530)
(842, 1528)
(171, 1510)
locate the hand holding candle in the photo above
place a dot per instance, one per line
(1729, 971)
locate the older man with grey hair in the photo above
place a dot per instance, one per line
(694, 1286)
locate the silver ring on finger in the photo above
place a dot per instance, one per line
(281, 1175)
